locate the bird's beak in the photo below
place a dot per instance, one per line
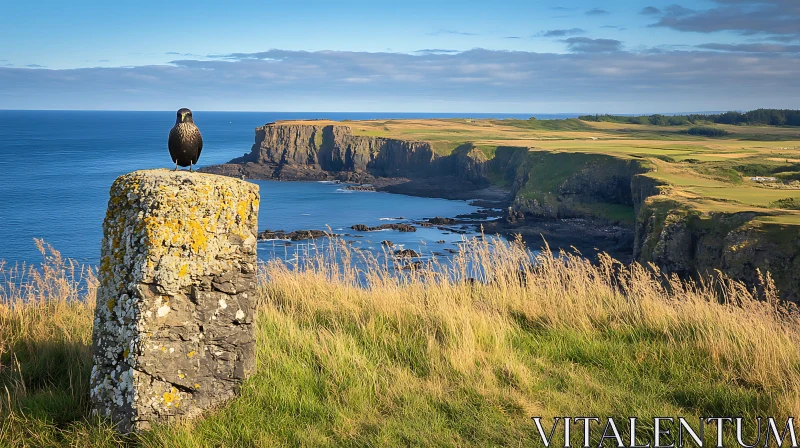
(183, 117)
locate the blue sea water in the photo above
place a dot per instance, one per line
(56, 168)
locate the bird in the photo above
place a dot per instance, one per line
(185, 142)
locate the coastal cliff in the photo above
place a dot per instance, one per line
(673, 235)
(552, 185)
(684, 241)
(332, 152)
(608, 203)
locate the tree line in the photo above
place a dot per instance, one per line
(758, 117)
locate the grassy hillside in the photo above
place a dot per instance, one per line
(708, 173)
(429, 358)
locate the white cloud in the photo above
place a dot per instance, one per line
(480, 80)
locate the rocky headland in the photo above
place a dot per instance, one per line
(331, 152)
(587, 201)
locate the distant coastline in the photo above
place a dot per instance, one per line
(577, 183)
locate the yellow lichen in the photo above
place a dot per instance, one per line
(199, 239)
(171, 396)
(191, 354)
(242, 209)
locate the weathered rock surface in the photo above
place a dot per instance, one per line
(439, 221)
(304, 149)
(406, 253)
(686, 242)
(297, 235)
(393, 226)
(360, 188)
(173, 330)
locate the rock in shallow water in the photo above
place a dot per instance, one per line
(173, 329)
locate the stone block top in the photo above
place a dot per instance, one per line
(168, 217)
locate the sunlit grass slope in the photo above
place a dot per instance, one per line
(446, 356)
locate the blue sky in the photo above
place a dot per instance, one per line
(431, 56)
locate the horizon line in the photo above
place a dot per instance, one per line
(532, 114)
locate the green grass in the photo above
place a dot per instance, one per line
(569, 124)
(318, 139)
(444, 147)
(487, 150)
(786, 203)
(615, 213)
(414, 362)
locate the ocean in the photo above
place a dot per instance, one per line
(56, 168)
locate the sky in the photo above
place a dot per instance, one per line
(567, 56)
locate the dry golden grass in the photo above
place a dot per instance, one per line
(353, 353)
(44, 310)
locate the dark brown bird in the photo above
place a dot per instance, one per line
(185, 141)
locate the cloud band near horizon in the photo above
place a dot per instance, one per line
(591, 79)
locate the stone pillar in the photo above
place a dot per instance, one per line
(173, 328)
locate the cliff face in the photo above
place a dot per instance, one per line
(686, 242)
(308, 148)
(676, 238)
(569, 185)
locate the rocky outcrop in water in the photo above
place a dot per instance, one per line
(440, 221)
(393, 226)
(173, 330)
(406, 253)
(297, 235)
